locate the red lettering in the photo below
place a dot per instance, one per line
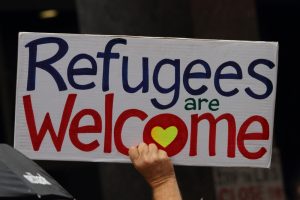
(109, 103)
(249, 193)
(234, 139)
(242, 136)
(195, 119)
(37, 138)
(226, 194)
(119, 126)
(75, 129)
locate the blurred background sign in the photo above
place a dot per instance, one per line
(250, 183)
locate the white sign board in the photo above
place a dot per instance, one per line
(250, 183)
(91, 97)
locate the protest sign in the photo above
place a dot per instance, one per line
(91, 97)
(250, 183)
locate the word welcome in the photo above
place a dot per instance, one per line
(153, 130)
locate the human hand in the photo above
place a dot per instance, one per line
(152, 163)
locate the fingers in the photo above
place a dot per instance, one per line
(153, 152)
(153, 148)
(146, 152)
(143, 149)
(162, 154)
(133, 153)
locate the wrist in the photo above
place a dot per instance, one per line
(163, 182)
(167, 190)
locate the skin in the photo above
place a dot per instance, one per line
(157, 169)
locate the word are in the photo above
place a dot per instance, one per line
(197, 104)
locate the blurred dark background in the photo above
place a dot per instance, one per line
(267, 20)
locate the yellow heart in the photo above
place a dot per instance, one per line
(164, 137)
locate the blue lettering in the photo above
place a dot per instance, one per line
(188, 75)
(107, 55)
(219, 75)
(45, 65)
(261, 78)
(175, 87)
(144, 83)
(81, 71)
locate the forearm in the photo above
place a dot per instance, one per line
(167, 191)
(157, 169)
